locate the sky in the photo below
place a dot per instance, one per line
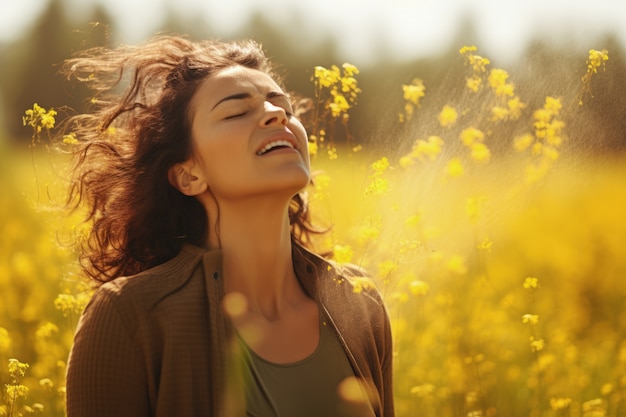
(408, 28)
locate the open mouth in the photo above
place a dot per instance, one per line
(275, 145)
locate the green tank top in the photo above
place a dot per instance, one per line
(307, 388)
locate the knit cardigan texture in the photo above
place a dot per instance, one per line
(159, 343)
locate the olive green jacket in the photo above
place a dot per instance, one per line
(158, 343)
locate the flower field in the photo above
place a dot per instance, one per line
(498, 246)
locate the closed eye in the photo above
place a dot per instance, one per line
(234, 116)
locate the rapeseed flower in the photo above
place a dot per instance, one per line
(419, 288)
(448, 116)
(454, 168)
(522, 142)
(531, 283)
(414, 92)
(70, 139)
(429, 148)
(536, 345)
(595, 60)
(39, 118)
(477, 62)
(456, 264)
(560, 403)
(530, 319)
(17, 369)
(480, 152)
(471, 135)
(343, 254)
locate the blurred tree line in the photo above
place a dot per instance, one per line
(29, 73)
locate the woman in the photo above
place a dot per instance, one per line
(210, 303)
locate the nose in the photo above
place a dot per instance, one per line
(273, 115)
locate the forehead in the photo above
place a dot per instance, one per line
(233, 80)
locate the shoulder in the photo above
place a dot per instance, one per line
(145, 289)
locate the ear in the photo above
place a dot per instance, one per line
(184, 178)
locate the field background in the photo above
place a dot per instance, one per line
(505, 282)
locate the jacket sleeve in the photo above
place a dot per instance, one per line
(105, 374)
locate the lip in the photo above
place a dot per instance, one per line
(284, 135)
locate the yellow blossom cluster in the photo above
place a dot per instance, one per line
(39, 118)
(447, 116)
(474, 140)
(596, 60)
(412, 94)
(478, 65)
(336, 91)
(429, 148)
(341, 85)
(544, 144)
(509, 106)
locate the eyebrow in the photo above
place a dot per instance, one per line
(242, 96)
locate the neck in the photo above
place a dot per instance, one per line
(255, 240)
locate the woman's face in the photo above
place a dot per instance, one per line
(246, 141)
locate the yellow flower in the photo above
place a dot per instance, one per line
(406, 161)
(361, 283)
(553, 105)
(536, 345)
(326, 77)
(466, 49)
(560, 403)
(480, 152)
(414, 92)
(17, 369)
(522, 142)
(350, 69)
(343, 254)
(471, 135)
(339, 105)
(473, 83)
(381, 165)
(377, 186)
(456, 264)
(418, 288)
(473, 207)
(531, 319)
(71, 304)
(70, 139)
(370, 230)
(454, 168)
(46, 383)
(497, 80)
(46, 331)
(430, 148)
(596, 59)
(515, 106)
(499, 113)
(606, 389)
(485, 245)
(448, 116)
(413, 220)
(477, 62)
(39, 118)
(531, 283)
(407, 246)
(387, 268)
(550, 153)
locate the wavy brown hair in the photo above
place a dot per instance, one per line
(138, 128)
